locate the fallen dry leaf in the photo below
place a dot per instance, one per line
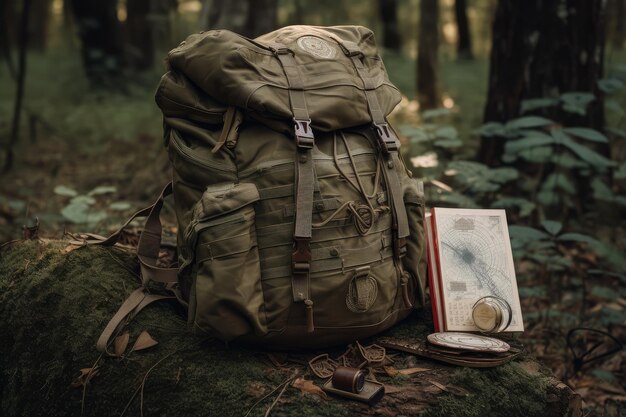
(411, 371)
(438, 385)
(144, 341)
(73, 246)
(391, 371)
(308, 387)
(86, 375)
(121, 343)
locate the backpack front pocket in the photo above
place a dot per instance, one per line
(222, 258)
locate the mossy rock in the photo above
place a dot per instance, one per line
(54, 303)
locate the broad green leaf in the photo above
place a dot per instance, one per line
(528, 122)
(575, 108)
(552, 227)
(578, 237)
(559, 180)
(559, 264)
(586, 133)
(103, 189)
(593, 158)
(448, 143)
(538, 155)
(577, 98)
(65, 191)
(120, 205)
(431, 114)
(415, 134)
(566, 160)
(576, 102)
(503, 175)
(492, 129)
(85, 199)
(538, 103)
(80, 213)
(526, 234)
(548, 198)
(446, 132)
(515, 146)
(610, 85)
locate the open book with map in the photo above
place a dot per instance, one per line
(469, 257)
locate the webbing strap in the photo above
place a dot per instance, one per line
(149, 242)
(135, 302)
(387, 142)
(148, 253)
(305, 178)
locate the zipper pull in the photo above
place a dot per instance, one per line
(310, 327)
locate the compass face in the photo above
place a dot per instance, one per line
(317, 47)
(468, 341)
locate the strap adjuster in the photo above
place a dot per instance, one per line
(386, 138)
(304, 133)
(282, 50)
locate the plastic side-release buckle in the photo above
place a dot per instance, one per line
(304, 133)
(386, 138)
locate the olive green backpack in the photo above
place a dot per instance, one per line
(298, 222)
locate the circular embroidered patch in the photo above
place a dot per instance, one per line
(362, 293)
(317, 47)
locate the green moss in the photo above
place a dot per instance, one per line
(507, 390)
(54, 305)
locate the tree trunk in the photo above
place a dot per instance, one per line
(543, 49)
(100, 35)
(38, 25)
(140, 41)
(391, 33)
(618, 12)
(464, 47)
(428, 45)
(249, 18)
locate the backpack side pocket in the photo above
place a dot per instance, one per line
(222, 257)
(415, 260)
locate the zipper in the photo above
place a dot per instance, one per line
(196, 160)
(263, 167)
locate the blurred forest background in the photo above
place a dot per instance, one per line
(508, 104)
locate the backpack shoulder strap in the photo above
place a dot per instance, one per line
(147, 253)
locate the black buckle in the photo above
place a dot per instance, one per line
(386, 138)
(304, 133)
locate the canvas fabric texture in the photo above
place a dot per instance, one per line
(299, 225)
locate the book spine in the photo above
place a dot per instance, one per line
(432, 280)
(442, 301)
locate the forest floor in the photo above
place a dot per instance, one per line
(106, 149)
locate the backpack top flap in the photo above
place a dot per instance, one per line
(247, 73)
